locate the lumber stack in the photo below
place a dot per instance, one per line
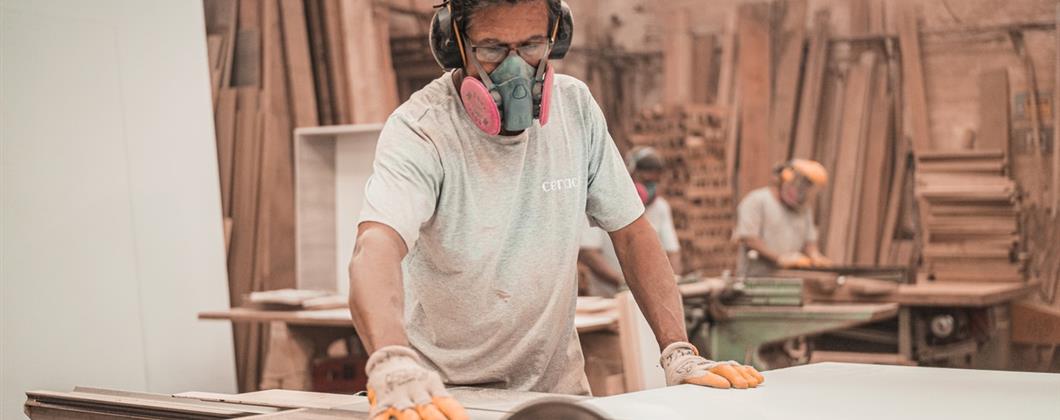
(969, 215)
(276, 65)
(693, 140)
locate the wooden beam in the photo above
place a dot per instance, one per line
(373, 90)
(677, 60)
(1035, 323)
(703, 47)
(225, 128)
(874, 186)
(276, 199)
(1056, 123)
(335, 64)
(728, 65)
(753, 84)
(299, 66)
(843, 211)
(791, 42)
(812, 88)
(913, 77)
(993, 110)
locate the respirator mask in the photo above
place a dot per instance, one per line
(514, 94)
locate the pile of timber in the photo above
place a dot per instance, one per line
(795, 91)
(276, 65)
(693, 140)
(969, 216)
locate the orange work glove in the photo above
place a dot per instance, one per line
(400, 387)
(683, 365)
(794, 260)
(819, 260)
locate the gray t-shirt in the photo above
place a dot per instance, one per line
(762, 215)
(492, 226)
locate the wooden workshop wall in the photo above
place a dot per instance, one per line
(277, 65)
(111, 241)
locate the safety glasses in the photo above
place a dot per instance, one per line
(495, 53)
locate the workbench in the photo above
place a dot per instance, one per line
(297, 337)
(820, 391)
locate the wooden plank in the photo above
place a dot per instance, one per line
(677, 59)
(855, 123)
(913, 77)
(299, 67)
(1056, 122)
(225, 127)
(276, 234)
(859, 17)
(993, 110)
(214, 51)
(874, 187)
(373, 91)
(336, 65)
(1035, 323)
(703, 91)
(728, 65)
(245, 175)
(791, 42)
(319, 54)
(174, 408)
(753, 83)
(812, 89)
(894, 203)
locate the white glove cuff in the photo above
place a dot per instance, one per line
(386, 353)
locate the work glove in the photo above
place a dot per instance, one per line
(400, 387)
(794, 260)
(683, 365)
(818, 259)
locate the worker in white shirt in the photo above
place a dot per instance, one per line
(775, 225)
(597, 252)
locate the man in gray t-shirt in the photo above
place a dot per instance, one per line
(464, 271)
(775, 224)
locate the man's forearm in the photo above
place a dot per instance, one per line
(651, 280)
(376, 294)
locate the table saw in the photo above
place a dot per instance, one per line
(819, 391)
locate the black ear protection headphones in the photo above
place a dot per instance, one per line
(447, 42)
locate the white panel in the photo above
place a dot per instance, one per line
(176, 195)
(111, 228)
(354, 155)
(70, 309)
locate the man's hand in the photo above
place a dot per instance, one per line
(819, 260)
(794, 260)
(683, 365)
(400, 387)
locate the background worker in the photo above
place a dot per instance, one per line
(597, 253)
(775, 225)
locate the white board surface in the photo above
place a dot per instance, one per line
(852, 391)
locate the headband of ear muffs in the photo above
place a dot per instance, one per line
(482, 104)
(447, 49)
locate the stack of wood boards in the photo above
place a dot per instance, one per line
(969, 216)
(94, 403)
(693, 142)
(793, 90)
(276, 65)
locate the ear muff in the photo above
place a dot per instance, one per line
(562, 32)
(447, 49)
(444, 46)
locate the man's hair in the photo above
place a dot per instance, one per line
(463, 9)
